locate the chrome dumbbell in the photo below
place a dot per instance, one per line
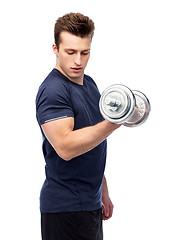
(118, 104)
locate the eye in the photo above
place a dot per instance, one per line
(85, 53)
(70, 52)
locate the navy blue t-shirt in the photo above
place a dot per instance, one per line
(74, 185)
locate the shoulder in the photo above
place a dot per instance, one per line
(54, 82)
(90, 81)
(52, 87)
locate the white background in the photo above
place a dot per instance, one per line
(132, 46)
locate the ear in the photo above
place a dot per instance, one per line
(54, 48)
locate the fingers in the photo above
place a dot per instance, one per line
(107, 211)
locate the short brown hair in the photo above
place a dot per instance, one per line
(75, 23)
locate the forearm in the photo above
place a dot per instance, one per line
(105, 188)
(83, 140)
(107, 205)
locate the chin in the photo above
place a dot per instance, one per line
(76, 75)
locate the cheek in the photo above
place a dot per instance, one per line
(86, 61)
(64, 61)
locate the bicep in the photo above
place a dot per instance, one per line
(56, 132)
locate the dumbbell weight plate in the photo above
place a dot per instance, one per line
(117, 104)
(142, 114)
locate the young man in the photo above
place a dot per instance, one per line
(74, 198)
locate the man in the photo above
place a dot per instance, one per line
(74, 198)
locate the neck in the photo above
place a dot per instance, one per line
(76, 80)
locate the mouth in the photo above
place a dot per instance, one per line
(77, 69)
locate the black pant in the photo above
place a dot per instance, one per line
(72, 226)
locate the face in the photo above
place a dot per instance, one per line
(72, 56)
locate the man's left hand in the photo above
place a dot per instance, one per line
(107, 207)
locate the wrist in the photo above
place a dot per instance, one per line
(111, 126)
(105, 194)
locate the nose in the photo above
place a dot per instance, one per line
(77, 59)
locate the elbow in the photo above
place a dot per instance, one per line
(65, 155)
(65, 152)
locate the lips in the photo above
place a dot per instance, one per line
(76, 69)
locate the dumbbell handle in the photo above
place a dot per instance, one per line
(114, 104)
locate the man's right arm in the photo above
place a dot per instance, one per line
(70, 143)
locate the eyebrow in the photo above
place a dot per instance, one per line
(74, 50)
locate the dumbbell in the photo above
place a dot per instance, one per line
(120, 105)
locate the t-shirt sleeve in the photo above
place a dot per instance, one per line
(53, 103)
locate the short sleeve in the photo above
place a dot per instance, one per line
(53, 103)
